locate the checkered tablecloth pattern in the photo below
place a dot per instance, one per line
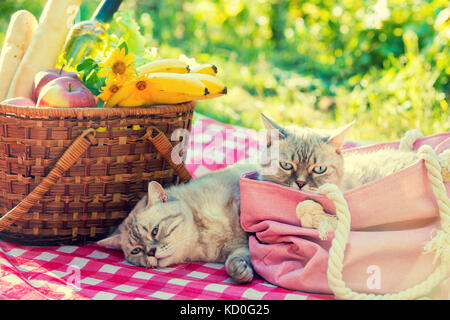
(94, 272)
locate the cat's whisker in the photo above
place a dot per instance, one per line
(165, 251)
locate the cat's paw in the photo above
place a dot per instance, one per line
(239, 269)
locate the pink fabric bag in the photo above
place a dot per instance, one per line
(392, 219)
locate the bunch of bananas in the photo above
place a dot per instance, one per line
(167, 81)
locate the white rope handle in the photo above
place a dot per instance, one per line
(312, 216)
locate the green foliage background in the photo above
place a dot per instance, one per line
(321, 63)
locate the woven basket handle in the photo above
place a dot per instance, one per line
(164, 147)
(70, 156)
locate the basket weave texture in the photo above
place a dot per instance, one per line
(95, 193)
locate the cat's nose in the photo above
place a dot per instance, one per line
(151, 252)
(300, 184)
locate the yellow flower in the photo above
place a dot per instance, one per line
(110, 88)
(118, 65)
(139, 94)
(142, 88)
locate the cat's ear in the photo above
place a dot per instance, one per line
(270, 127)
(112, 242)
(338, 138)
(156, 194)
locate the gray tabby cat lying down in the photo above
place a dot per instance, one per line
(197, 221)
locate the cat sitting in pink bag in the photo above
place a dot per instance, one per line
(392, 220)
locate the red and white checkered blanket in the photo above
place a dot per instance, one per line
(94, 272)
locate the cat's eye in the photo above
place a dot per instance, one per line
(319, 169)
(155, 231)
(136, 251)
(286, 165)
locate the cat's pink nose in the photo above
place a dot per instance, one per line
(151, 252)
(300, 184)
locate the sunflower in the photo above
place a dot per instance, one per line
(118, 65)
(142, 88)
(111, 87)
(140, 92)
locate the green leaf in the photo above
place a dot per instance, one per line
(86, 64)
(93, 82)
(100, 103)
(123, 45)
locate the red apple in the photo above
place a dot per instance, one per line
(66, 92)
(43, 77)
(20, 101)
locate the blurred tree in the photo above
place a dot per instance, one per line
(277, 18)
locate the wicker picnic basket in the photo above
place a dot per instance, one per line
(64, 182)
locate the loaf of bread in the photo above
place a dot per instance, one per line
(21, 28)
(46, 44)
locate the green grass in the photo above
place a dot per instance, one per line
(385, 103)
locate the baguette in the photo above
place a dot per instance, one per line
(18, 36)
(46, 44)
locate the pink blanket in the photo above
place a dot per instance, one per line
(93, 272)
